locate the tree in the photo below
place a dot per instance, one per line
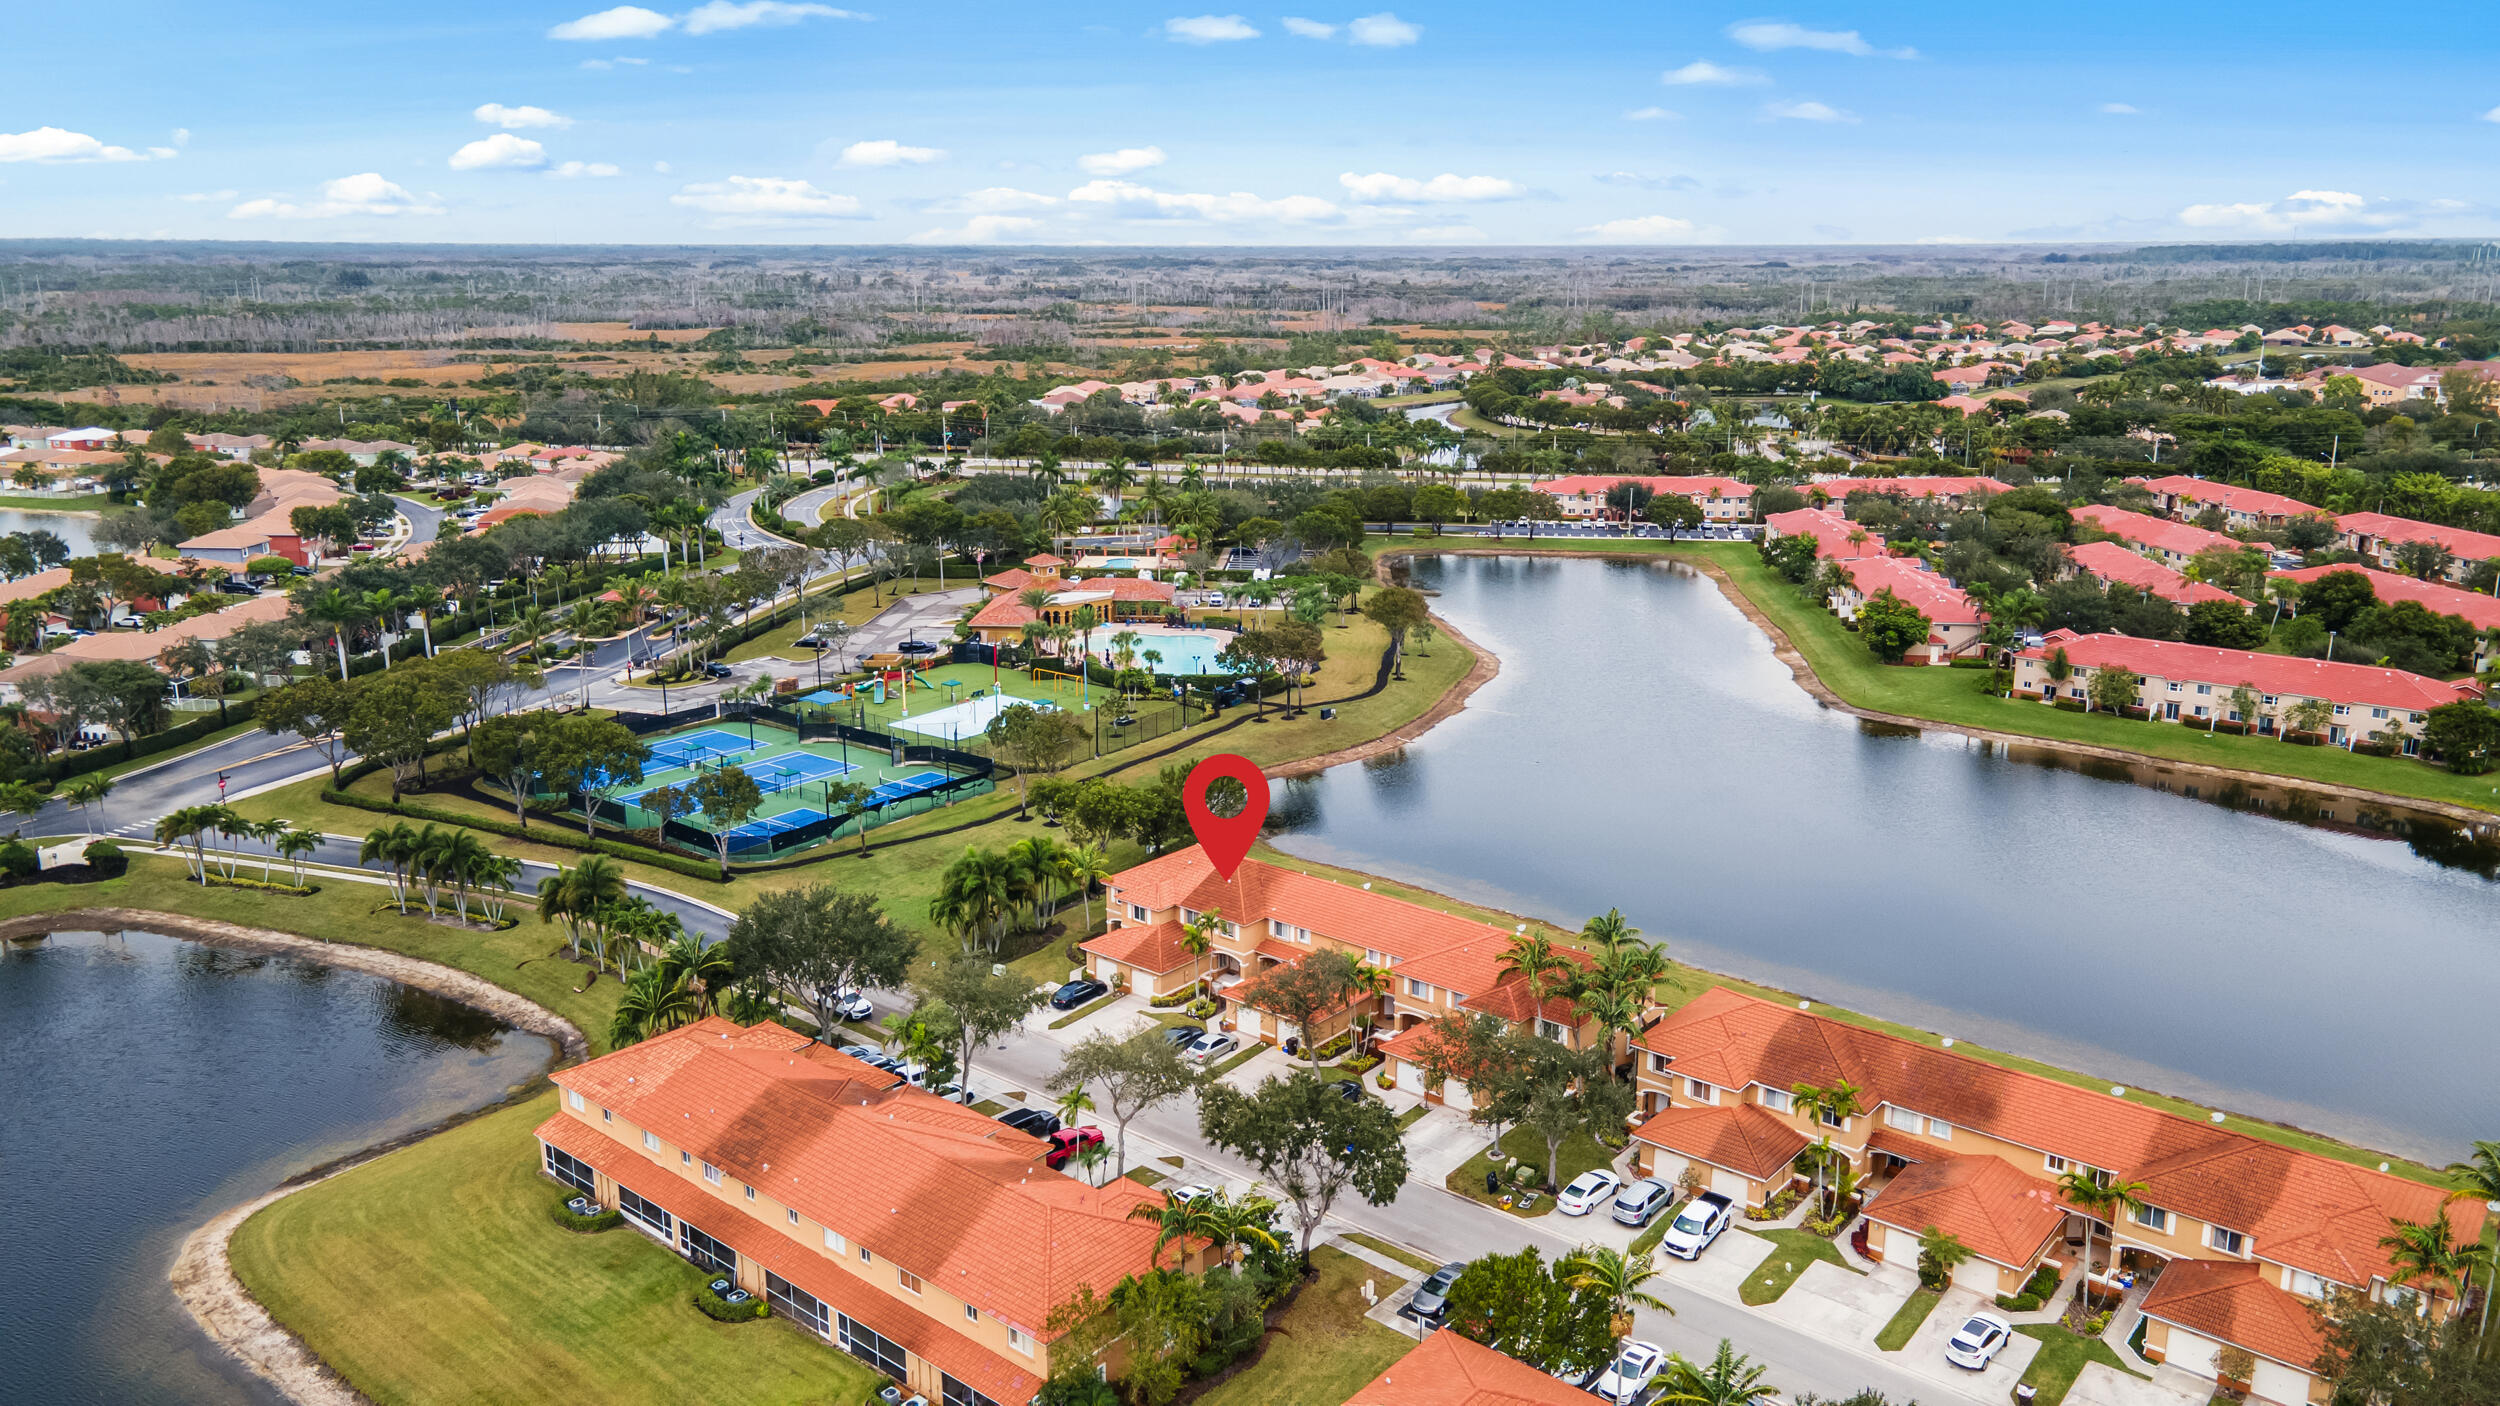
(2225, 624)
(2310, 715)
(1032, 739)
(2427, 1254)
(589, 754)
(1309, 1142)
(2113, 687)
(1522, 1307)
(2334, 599)
(1831, 1106)
(1396, 609)
(818, 941)
(1622, 1279)
(2481, 1177)
(514, 751)
(2100, 1199)
(977, 894)
(2380, 1353)
(1673, 511)
(1134, 1074)
(1890, 626)
(486, 683)
(2462, 734)
(313, 709)
(393, 719)
(87, 792)
(1557, 1091)
(2424, 560)
(394, 847)
(1731, 1379)
(963, 996)
(1298, 994)
(1939, 1254)
(728, 798)
(123, 694)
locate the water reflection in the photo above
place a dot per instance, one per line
(1642, 746)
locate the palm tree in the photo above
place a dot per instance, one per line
(1082, 867)
(190, 823)
(341, 612)
(455, 858)
(555, 900)
(1609, 930)
(1731, 1379)
(2099, 1202)
(378, 606)
(1177, 1220)
(1830, 1106)
(2482, 1183)
(707, 970)
(1622, 1280)
(1036, 861)
(1535, 960)
(86, 793)
(598, 886)
(493, 880)
(1074, 1105)
(654, 1000)
(2429, 1255)
(1089, 1159)
(977, 892)
(424, 601)
(269, 832)
(295, 844)
(1243, 1221)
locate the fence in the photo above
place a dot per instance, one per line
(1144, 721)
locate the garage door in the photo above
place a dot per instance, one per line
(1669, 1168)
(1900, 1247)
(1731, 1185)
(2278, 1383)
(1246, 1022)
(2190, 1352)
(1977, 1275)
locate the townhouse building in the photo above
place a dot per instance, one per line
(2377, 536)
(2473, 607)
(2112, 564)
(1954, 620)
(1447, 1369)
(1583, 496)
(1951, 489)
(2239, 1235)
(2173, 544)
(2245, 508)
(914, 1233)
(1836, 538)
(2194, 684)
(2395, 385)
(1429, 964)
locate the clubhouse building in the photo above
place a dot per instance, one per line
(914, 1233)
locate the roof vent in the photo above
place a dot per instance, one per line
(2117, 1091)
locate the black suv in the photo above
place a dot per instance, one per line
(1076, 993)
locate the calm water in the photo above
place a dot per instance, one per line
(77, 529)
(149, 1083)
(1642, 748)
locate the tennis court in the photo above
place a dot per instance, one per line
(710, 744)
(793, 769)
(761, 831)
(970, 718)
(903, 787)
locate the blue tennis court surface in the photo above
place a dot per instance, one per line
(795, 769)
(903, 786)
(756, 832)
(711, 743)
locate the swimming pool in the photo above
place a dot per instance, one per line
(1184, 652)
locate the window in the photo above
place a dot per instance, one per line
(835, 1242)
(971, 1314)
(1657, 1064)
(2057, 1165)
(750, 1193)
(2204, 688)
(865, 1257)
(1778, 1100)
(1017, 1340)
(909, 1281)
(1830, 1119)
(708, 1253)
(1903, 1118)
(1421, 991)
(2228, 1242)
(790, 1214)
(646, 1215)
(2378, 712)
(573, 1100)
(651, 1140)
(797, 1303)
(954, 1393)
(1458, 998)
(1136, 914)
(2174, 688)
(2341, 710)
(2153, 1218)
(1700, 1092)
(685, 1159)
(871, 1346)
(1551, 1031)
(1278, 927)
(572, 1171)
(711, 1174)
(607, 1115)
(1940, 1130)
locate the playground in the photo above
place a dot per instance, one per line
(794, 775)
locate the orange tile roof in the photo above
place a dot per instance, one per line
(1742, 1137)
(2002, 1214)
(2232, 1301)
(2332, 679)
(1449, 1370)
(2473, 607)
(2112, 562)
(2301, 1209)
(933, 1186)
(1152, 947)
(2147, 531)
(924, 1337)
(1259, 891)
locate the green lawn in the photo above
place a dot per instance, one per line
(2063, 1354)
(1323, 1350)
(1236, 1060)
(1379, 1246)
(1904, 1325)
(1579, 1153)
(1791, 1252)
(434, 1275)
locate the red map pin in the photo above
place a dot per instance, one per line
(1227, 838)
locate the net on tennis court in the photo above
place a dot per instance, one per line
(903, 787)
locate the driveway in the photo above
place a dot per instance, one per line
(2100, 1384)
(1925, 1354)
(1720, 1270)
(1439, 1143)
(1833, 1302)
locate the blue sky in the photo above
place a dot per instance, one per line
(770, 121)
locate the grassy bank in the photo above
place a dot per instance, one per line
(1323, 1349)
(1791, 1252)
(434, 1274)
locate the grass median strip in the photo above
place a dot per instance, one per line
(1904, 1325)
(2063, 1354)
(1379, 1246)
(1085, 1010)
(1791, 1252)
(1247, 1053)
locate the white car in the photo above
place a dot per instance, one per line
(853, 1005)
(1976, 1343)
(1696, 1225)
(1213, 1045)
(1182, 1196)
(1630, 1373)
(1587, 1191)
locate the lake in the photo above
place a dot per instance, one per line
(151, 1083)
(76, 529)
(1642, 748)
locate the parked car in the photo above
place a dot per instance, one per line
(1183, 1195)
(869, 1053)
(1696, 1225)
(1432, 1297)
(1214, 1044)
(1077, 993)
(1642, 1200)
(1067, 1142)
(1630, 1374)
(1976, 1343)
(1351, 1090)
(853, 1005)
(1038, 1122)
(953, 1093)
(1180, 1036)
(716, 670)
(1587, 1190)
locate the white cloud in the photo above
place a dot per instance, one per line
(998, 199)
(53, 146)
(364, 194)
(1383, 31)
(766, 200)
(1703, 71)
(980, 229)
(723, 14)
(1208, 29)
(885, 152)
(515, 118)
(1685, 184)
(576, 170)
(2492, 116)
(2301, 210)
(1771, 35)
(1309, 29)
(1653, 114)
(182, 136)
(1640, 229)
(623, 22)
(1121, 162)
(1380, 185)
(660, 166)
(1808, 111)
(1130, 199)
(162, 153)
(611, 63)
(500, 152)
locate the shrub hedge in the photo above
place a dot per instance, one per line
(607, 1219)
(721, 1310)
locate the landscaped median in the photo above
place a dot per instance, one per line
(1791, 1252)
